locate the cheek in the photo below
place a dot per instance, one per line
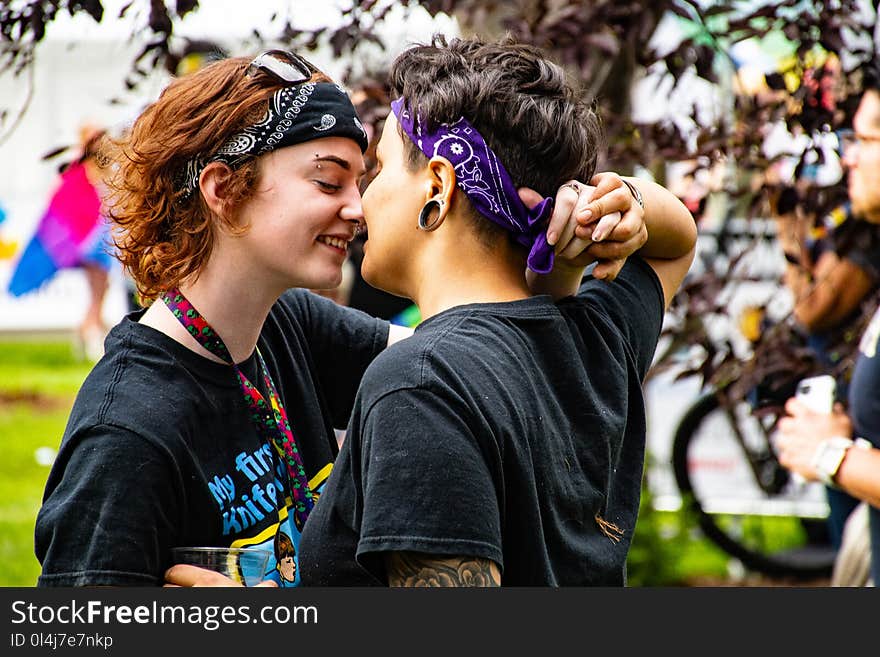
(368, 198)
(380, 188)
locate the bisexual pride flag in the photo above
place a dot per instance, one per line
(73, 231)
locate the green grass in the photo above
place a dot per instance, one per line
(38, 382)
(669, 550)
(47, 368)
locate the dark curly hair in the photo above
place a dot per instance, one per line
(531, 116)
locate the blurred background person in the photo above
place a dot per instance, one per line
(841, 448)
(832, 266)
(833, 273)
(73, 233)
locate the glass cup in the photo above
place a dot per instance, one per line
(247, 566)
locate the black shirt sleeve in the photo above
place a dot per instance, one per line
(633, 303)
(98, 528)
(444, 477)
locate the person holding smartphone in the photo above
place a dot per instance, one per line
(841, 448)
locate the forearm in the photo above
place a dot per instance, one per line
(812, 303)
(798, 279)
(417, 569)
(816, 307)
(830, 293)
(672, 232)
(563, 281)
(859, 475)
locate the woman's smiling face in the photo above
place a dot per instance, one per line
(305, 211)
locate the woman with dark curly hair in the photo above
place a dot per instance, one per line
(504, 441)
(210, 420)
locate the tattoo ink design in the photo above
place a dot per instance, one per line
(413, 569)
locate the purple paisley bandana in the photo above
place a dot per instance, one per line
(480, 175)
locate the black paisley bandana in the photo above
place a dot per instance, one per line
(295, 115)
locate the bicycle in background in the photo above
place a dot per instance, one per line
(723, 458)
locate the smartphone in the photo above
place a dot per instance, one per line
(817, 392)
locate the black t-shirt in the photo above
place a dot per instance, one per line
(864, 400)
(159, 450)
(499, 431)
(864, 408)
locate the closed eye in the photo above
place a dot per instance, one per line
(328, 186)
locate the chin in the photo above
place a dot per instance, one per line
(329, 282)
(378, 278)
(368, 274)
(327, 279)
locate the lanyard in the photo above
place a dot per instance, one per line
(270, 419)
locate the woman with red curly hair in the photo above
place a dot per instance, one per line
(210, 420)
(239, 183)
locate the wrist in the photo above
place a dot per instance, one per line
(830, 454)
(563, 281)
(566, 268)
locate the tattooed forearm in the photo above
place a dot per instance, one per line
(418, 569)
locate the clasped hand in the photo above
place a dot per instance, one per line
(585, 226)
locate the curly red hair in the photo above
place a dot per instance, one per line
(161, 237)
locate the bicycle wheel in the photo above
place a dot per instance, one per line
(777, 528)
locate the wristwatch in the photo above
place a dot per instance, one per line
(830, 454)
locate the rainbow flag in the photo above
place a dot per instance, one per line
(71, 232)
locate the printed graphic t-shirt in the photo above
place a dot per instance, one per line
(159, 450)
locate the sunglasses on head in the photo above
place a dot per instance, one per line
(286, 66)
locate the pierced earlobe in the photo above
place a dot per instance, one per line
(425, 213)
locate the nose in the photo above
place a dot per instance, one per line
(352, 210)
